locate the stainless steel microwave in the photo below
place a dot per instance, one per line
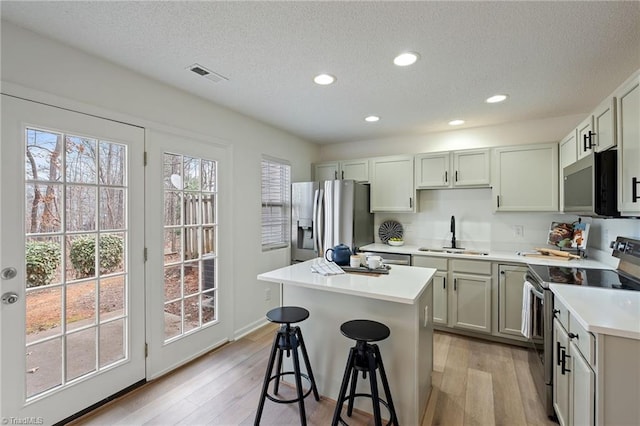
(590, 185)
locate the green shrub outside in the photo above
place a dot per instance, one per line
(83, 249)
(42, 260)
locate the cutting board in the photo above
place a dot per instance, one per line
(558, 253)
(546, 256)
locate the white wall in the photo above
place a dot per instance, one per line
(37, 67)
(522, 133)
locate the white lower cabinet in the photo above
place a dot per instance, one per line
(461, 292)
(440, 297)
(596, 377)
(561, 379)
(510, 285)
(471, 295)
(574, 380)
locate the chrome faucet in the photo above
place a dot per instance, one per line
(453, 232)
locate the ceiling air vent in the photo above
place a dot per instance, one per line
(206, 73)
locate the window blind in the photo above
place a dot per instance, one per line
(276, 201)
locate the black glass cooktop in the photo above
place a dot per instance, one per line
(605, 278)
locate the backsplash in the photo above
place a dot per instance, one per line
(478, 227)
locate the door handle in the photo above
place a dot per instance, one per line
(564, 363)
(634, 189)
(10, 298)
(8, 273)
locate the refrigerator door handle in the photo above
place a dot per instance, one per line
(317, 221)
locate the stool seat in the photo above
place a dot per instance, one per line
(287, 314)
(365, 330)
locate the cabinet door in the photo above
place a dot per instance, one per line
(561, 378)
(471, 168)
(526, 178)
(432, 170)
(582, 389)
(357, 170)
(392, 184)
(604, 125)
(325, 171)
(568, 150)
(511, 280)
(471, 302)
(586, 141)
(629, 148)
(440, 298)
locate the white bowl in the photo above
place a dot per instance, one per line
(395, 243)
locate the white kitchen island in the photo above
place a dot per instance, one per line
(402, 300)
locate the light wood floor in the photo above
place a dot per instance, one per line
(474, 383)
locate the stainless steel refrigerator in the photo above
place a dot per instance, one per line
(328, 213)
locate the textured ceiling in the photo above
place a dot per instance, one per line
(552, 58)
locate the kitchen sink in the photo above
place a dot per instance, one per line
(453, 251)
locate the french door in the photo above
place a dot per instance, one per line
(187, 274)
(71, 260)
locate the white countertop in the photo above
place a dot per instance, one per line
(601, 310)
(492, 256)
(403, 284)
(598, 310)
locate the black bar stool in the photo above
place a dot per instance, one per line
(288, 339)
(366, 358)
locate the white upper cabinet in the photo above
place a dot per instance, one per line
(432, 170)
(585, 140)
(357, 170)
(472, 168)
(525, 178)
(326, 171)
(392, 184)
(568, 150)
(604, 125)
(628, 110)
(457, 169)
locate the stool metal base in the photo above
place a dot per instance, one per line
(288, 339)
(365, 358)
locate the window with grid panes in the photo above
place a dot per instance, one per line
(276, 202)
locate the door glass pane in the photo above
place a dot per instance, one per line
(43, 366)
(189, 246)
(81, 353)
(112, 347)
(77, 277)
(81, 305)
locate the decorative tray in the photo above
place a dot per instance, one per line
(390, 229)
(364, 270)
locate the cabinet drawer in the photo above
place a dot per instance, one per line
(585, 340)
(561, 312)
(471, 266)
(439, 263)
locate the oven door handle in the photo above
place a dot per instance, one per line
(537, 294)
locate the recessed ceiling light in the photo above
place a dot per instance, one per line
(404, 59)
(372, 118)
(456, 122)
(324, 79)
(496, 98)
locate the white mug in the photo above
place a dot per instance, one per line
(354, 261)
(374, 262)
